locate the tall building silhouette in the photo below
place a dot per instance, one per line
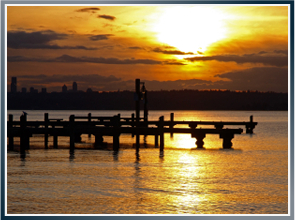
(75, 87)
(64, 88)
(13, 84)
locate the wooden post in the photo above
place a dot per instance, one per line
(137, 111)
(55, 141)
(46, 120)
(227, 138)
(72, 135)
(171, 124)
(200, 139)
(98, 141)
(161, 133)
(89, 120)
(145, 115)
(11, 143)
(250, 126)
(55, 138)
(156, 140)
(132, 124)
(116, 133)
(24, 139)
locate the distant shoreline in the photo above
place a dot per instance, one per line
(156, 100)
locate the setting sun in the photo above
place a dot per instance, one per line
(190, 29)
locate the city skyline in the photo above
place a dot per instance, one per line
(106, 47)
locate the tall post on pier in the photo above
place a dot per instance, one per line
(171, 124)
(161, 132)
(137, 111)
(116, 133)
(46, 120)
(89, 120)
(250, 126)
(24, 136)
(132, 123)
(145, 109)
(11, 143)
(72, 135)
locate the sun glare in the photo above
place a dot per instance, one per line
(190, 29)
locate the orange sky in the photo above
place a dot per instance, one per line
(168, 47)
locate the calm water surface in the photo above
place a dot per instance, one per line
(250, 179)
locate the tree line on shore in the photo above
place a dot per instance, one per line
(157, 100)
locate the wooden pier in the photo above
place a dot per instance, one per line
(116, 125)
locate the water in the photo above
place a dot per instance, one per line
(251, 179)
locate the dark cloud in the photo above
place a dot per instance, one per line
(38, 40)
(22, 39)
(278, 61)
(285, 52)
(259, 78)
(108, 17)
(85, 78)
(92, 10)
(100, 37)
(71, 59)
(135, 48)
(172, 52)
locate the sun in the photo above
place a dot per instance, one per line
(190, 28)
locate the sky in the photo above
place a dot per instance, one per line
(169, 47)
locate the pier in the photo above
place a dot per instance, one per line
(116, 125)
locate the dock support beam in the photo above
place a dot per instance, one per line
(24, 137)
(55, 139)
(46, 120)
(132, 124)
(116, 134)
(137, 106)
(156, 140)
(200, 140)
(10, 138)
(161, 132)
(98, 141)
(89, 120)
(250, 126)
(171, 123)
(72, 135)
(227, 138)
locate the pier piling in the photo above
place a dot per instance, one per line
(10, 137)
(161, 132)
(24, 136)
(171, 123)
(46, 120)
(72, 134)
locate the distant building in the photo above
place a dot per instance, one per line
(32, 90)
(43, 90)
(13, 84)
(24, 90)
(89, 90)
(64, 88)
(75, 87)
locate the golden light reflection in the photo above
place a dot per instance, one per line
(183, 141)
(191, 29)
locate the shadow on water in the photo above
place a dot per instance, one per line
(72, 156)
(116, 156)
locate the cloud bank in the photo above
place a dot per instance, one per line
(274, 60)
(39, 40)
(70, 59)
